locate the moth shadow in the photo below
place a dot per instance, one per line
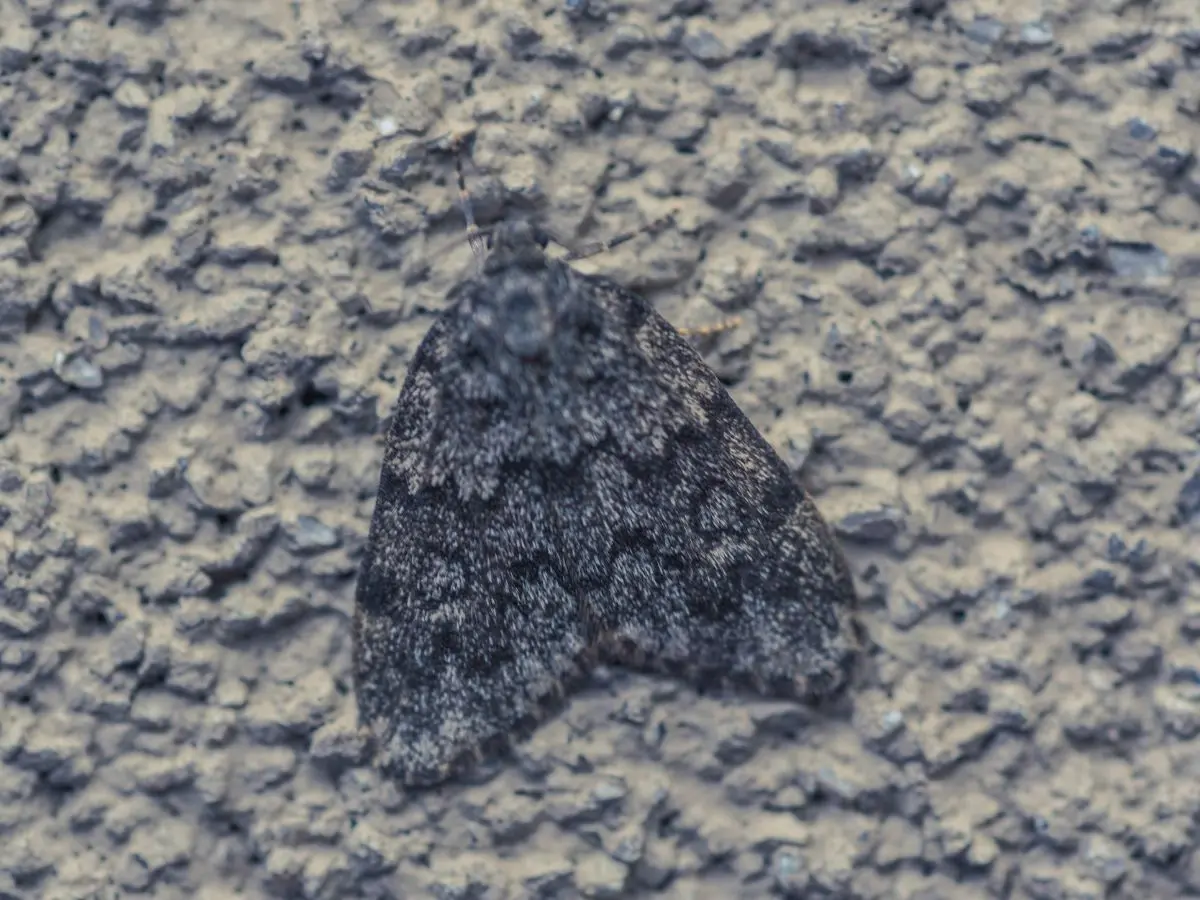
(784, 714)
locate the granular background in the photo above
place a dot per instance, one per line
(962, 238)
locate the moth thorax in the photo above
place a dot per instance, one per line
(526, 323)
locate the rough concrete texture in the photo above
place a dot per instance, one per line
(962, 237)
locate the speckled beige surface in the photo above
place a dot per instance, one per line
(962, 237)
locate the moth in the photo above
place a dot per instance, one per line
(565, 481)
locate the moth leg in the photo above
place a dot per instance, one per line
(709, 330)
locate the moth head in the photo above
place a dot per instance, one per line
(518, 244)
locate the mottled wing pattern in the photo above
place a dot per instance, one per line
(717, 560)
(462, 622)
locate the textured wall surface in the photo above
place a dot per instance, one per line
(963, 238)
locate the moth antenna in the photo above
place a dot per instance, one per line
(594, 248)
(475, 237)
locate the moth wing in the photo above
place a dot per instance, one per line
(718, 562)
(462, 621)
